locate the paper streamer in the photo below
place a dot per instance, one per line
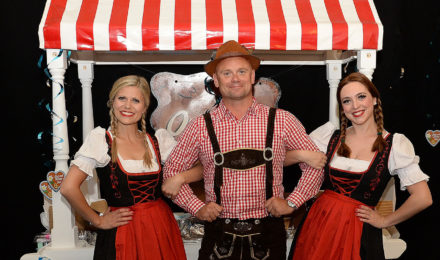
(55, 116)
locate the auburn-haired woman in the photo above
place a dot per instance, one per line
(362, 157)
(138, 223)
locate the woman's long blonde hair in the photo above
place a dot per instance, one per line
(379, 144)
(144, 87)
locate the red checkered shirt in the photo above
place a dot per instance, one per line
(243, 193)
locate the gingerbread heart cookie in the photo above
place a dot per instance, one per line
(433, 137)
(46, 190)
(55, 179)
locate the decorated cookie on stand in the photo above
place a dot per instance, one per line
(48, 187)
(433, 137)
(46, 190)
(52, 183)
(54, 179)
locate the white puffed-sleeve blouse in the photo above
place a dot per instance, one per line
(402, 161)
(94, 153)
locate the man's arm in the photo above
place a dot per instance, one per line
(171, 186)
(183, 156)
(311, 179)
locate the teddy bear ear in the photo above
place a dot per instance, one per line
(154, 83)
(197, 77)
(159, 81)
(267, 91)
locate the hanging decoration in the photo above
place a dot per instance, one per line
(54, 179)
(433, 137)
(52, 183)
(46, 190)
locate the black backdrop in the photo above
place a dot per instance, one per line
(411, 42)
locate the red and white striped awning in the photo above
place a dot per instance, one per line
(144, 25)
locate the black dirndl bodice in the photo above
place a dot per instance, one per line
(123, 189)
(366, 186)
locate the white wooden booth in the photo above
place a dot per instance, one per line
(281, 32)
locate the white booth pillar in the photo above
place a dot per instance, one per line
(366, 62)
(334, 74)
(86, 76)
(64, 231)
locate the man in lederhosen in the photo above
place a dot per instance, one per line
(242, 145)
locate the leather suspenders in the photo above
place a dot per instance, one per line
(268, 153)
(242, 159)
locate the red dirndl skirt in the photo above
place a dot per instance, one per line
(331, 230)
(151, 234)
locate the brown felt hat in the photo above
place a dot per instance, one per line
(231, 49)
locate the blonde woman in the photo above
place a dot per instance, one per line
(342, 223)
(138, 223)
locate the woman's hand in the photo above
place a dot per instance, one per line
(316, 160)
(419, 199)
(116, 218)
(371, 216)
(171, 186)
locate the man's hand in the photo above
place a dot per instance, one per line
(278, 207)
(209, 212)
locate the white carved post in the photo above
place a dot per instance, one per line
(334, 75)
(85, 74)
(64, 231)
(366, 62)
